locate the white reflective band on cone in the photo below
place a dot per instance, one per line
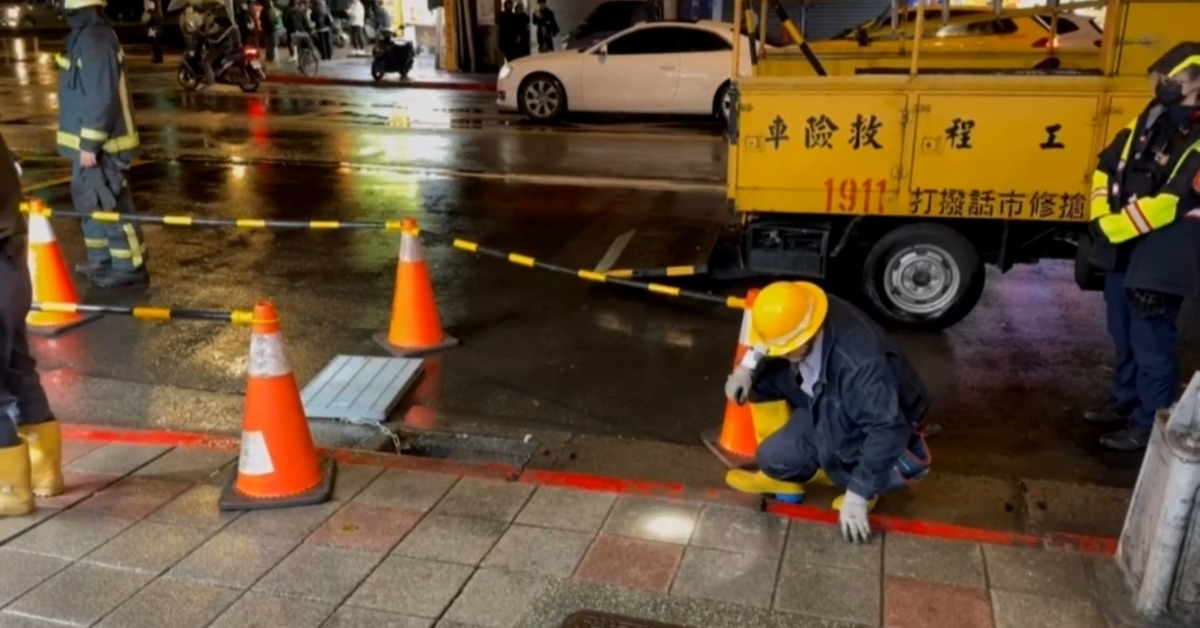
(39, 230)
(410, 249)
(255, 459)
(266, 356)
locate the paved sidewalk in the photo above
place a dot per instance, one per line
(138, 541)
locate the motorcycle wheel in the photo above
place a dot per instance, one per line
(378, 69)
(251, 83)
(187, 79)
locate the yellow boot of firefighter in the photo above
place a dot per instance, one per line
(762, 484)
(45, 456)
(768, 417)
(16, 495)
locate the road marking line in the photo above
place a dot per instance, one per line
(614, 251)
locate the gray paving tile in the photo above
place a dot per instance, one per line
(196, 508)
(933, 559)
(14, 526)
(187, 464)
(830, 592)
(255, 610)
(80, 594)
(411, 490)
(740, 530)
(351, 617)
(726, 576)
(284, 523)
(495, 598)
(314, 572)
(1027, 570)
(20, 572)
(170, 602)
(351, 479)
(70, 535)
(411, 586)
(10, 620)
(148, 546)
(485, 499)
(463, 540)
(1024, 610)
(232, 560)
(653, 519)
(133, 497)
(117, 459)
(545, 551)
(815, 544)
(553, 507)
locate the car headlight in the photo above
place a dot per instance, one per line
(12, 13)
(505, 71)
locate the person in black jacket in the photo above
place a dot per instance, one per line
(323, 25)
(547, 26)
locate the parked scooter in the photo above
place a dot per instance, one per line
(341, 30)
(391, 55)
(241, 67)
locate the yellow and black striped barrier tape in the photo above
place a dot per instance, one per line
(239, 223)
(657, 273)
(150, 312)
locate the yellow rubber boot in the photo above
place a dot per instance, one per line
(768, 417)
(45, 456)
(837, 503)
(760, 483)
(16, 494)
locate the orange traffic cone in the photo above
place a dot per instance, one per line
(51, 281)
(278, 465)
(415, 328)
(735, 443)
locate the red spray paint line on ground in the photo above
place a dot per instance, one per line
(623, 486)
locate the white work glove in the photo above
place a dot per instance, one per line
(855, 526)
(737, 386)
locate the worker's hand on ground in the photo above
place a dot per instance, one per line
(855, 526)
(86, 159)
(737, 387)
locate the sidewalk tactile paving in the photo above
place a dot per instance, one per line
(1025, 610)
(292, 524)
(411, 490)
(411, 586)
(553, 507)
(726, 577)
(133, 497)
(631, 563)
(740, 530)
(195, 508)
(545, 551)
(21, 572)
(932, 559)
(813, 544)
(830, 592)
(78, 486)
(1028, 570)
(351, 479)
(174, 603)
(909, 603)
(70, 534)
(665, 520)
(255, 610)
(496, 598)
(11, 527)
(366, 528)
(233, 560)
(117, 459)
(351, 617)
(187, 464)
(80, 594)
(485, 499)
(462, 540)
(324, 574)
(148, 546)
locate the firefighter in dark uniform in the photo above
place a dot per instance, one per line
(30, 440)
(97, 132)
(1145, 224)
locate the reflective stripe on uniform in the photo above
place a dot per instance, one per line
(137, 248)
(95, 243)
(62, 61)
(1141, 215)
(1099, 205)
(93, 134)
(120, 144)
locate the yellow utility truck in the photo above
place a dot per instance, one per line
(907, 183)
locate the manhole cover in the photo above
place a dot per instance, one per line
(596, 619)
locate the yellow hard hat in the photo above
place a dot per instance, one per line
(787, 314)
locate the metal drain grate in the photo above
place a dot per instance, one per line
(597, 619)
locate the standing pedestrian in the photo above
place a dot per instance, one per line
(97, 133)
(268, 22)
(547, 26)
(153, 18)
(323, 25)
(357, 19)
(30, 438)
(521, 26)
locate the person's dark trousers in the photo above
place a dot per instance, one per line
(325, 44)
(22, 398)
(156, 47)
(1147, 351)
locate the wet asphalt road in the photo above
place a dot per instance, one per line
(541, 352)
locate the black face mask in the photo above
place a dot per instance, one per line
(1168, 92)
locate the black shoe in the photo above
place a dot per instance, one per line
(117, 278)
(88, 267)
(1108, 413)
(1132, 438)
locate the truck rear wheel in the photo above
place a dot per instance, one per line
(923, 277)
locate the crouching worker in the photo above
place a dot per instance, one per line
(833, 400)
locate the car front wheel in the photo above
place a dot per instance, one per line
(542, 98)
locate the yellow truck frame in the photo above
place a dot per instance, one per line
(903, 185)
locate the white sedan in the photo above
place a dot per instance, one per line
(655, 67)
